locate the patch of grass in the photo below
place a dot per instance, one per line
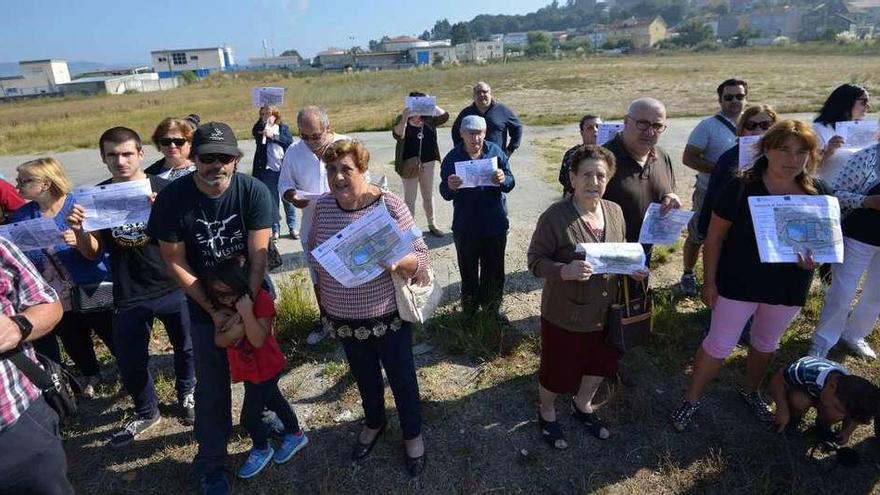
(335, 369)
(661, 254)
(550, 151)
(296, 308)
(480, 336)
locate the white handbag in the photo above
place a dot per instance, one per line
(417, 300)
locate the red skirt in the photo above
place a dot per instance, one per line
(567, 356)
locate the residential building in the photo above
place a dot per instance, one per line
(642, 33)
(479, 51)
(282, 62)
(516, 40)
(201, 61)
(38, 77)
(772, 23)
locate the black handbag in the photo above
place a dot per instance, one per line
(91, 298)
(56, 383)
(630, 321)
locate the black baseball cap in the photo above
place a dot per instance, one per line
(215, 137)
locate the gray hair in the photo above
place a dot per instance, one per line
(315, 110)
(481, 83)
(645, 103)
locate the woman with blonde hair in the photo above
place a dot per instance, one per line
(44, 183)
(737, 286)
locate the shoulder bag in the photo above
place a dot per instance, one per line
(85, 298)
(55, 383)
(409, 168)
(630, 321)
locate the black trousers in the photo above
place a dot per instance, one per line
(75, 331)
(33, 459)
(265, 395)
(481, 264)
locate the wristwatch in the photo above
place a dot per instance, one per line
(24, 325)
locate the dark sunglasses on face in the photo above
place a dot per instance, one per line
(211, 158)
(166, 141)
(739, 97)
(751, 126)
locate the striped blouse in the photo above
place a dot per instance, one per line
(376, 297)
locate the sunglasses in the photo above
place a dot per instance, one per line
(166, 141)
(739, 97)
(212, 158)
(751, 126)
(313, 137)
(644, 125)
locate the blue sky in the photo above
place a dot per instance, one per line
(119, 31)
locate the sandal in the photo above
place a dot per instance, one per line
(551, 432)
(591, 420)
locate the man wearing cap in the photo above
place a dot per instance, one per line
(501, 122)
(201, 219)
(479, 217)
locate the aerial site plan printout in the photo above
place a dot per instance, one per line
(112, 205)
(352, 256)
(788, 225)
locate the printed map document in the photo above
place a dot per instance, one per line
(421, 105)
(857, 134)
(665, 229)
(788, 225)
(30, 235)
(115, 204)
(262, 97)
(748, 151)
(623, 258)
(477, 173)
(352, 256)
(607, 131)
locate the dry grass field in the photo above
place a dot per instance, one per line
(542, 92)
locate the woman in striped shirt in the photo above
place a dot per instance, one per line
(365, 318)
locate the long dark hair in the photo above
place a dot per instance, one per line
(233, 273)
(774, 139)
(838, 106)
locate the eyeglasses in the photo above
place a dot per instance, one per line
(644, 125)
(739, 97)
(313, 137)
(752, 125)
(167, 141)
(211, 158)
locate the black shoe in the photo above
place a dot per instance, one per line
(415, 465)
(362, 450)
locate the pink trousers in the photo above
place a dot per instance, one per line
(730, 316)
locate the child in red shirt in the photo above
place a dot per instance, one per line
(255, 359)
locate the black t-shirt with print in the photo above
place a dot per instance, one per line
(741, 275)
(212, 229)
(136, 265)
(862, 223)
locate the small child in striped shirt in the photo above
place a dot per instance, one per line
(828, 386)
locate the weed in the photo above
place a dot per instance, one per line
(479, 336)
(335, 369)
(296, 309)
(660, 254)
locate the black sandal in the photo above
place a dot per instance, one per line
(592, 421)
(551, 432)
(362, 450)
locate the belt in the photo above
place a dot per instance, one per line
(361, 329)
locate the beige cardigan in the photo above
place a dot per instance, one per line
(572, 305)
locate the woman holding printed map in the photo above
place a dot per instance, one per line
(365, 317)
(736, 284)
(575, 358)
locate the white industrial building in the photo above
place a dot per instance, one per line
(201, 61)
(38, 77)
(282, 62)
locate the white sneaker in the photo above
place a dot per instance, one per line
(818, 351)
(860, 348)
(317, 336)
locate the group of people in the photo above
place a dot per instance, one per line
(199, 265)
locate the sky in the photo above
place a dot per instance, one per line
(124, 32)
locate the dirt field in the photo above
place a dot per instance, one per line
(542, 92)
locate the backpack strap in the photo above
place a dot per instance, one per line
(730, 127)
(31, 369)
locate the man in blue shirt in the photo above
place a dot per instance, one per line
(501, 122)
(479, 217)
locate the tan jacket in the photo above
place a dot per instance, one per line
(574, 306)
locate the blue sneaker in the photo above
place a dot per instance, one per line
(215, 483)
(291, 444)
(256, 461)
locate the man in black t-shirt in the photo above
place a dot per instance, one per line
(142, 291)
(201, 219)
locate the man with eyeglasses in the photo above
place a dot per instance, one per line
(501, 122)
(644, 170)
(302, 172)
(201, 219)
(708, 141)
(589, 127)
(142, 291)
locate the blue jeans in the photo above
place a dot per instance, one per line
(270, 178)
(393, 352)
(131, 337)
